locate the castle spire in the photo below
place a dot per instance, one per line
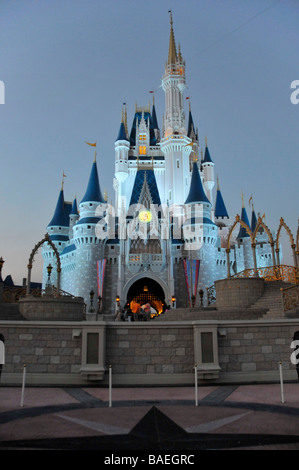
(172, 54)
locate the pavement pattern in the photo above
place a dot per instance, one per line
(235, 417)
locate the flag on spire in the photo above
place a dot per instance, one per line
(92, 145)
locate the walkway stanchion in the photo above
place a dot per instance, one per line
(196, 387)
(23, 385)
(281, 382)
(110, 386)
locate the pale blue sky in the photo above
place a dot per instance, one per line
(68, 65)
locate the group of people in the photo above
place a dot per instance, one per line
(137, 312)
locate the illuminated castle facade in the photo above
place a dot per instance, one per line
(165, 237)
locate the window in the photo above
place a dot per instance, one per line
(178, 163)
(142, 149)
(142, 137)
(92, 352)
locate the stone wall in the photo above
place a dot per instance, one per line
(147, 353)
(150, 349)
(48, 350)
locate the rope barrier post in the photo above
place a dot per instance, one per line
(23, 385)
(110, 386)
(196, 385)
(281, 382)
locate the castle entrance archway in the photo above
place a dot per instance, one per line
(147, 290)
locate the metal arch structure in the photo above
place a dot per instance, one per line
(259, 224)
(31, 258)
(293, 246)
(248, 230)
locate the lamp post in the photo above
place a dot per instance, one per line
(173, 299)
(49, 270)
(1, 264)
(201, 297)
(91, 296)
(48, 286)
(193, 300)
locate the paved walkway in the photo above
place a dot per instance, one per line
(228, 416)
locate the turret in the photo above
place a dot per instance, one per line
(58, 227)
(220, 209)
(208, 173)
(93, 196)
(122, 146)
(74, 216)
(197, 211)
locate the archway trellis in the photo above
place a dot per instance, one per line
(30, 263)
(253, 235)
(293, 246)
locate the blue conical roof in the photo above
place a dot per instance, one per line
(154, 118)
(93, 191)
(122, 133)
(196, 192)
(207, 157)
(62, 212)
(74, 210)
(220, 209)
(243, 232)
(253, 220)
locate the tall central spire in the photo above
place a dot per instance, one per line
(172, 54)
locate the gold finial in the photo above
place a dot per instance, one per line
(206, 141)
(242, 196)
(218, 187)
(201, 153)
(105, 195)
(62, 183)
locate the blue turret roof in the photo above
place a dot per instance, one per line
(122, 133)
(220, 209)
(74, 210)
(196, 193)
(253, 220)
(154, 118)
(93, 191)
(62, 212)
(243, 232)
(191, 126)
(207, 157)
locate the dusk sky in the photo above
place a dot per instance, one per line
(69, 65)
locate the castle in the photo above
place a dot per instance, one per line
(164, 240)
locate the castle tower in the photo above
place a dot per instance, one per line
(208, 175)
(175, 142)
(88, 239)
(244, 240)
(122, 147)
(58, 229)
(200, 233)
(74, 216)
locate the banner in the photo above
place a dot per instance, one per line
(101, 264)
(191, 270)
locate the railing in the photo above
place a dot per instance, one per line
(211, 294)
(290, 297)
(12, 294)
(283, 273)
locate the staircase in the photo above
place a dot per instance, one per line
(271, 300)
(10, 312)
